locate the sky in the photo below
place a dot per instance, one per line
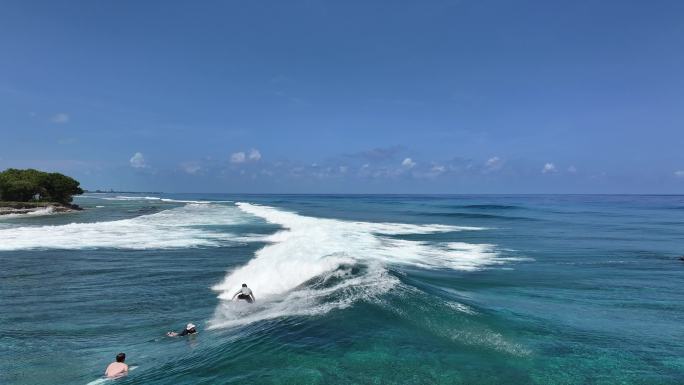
(470, 96)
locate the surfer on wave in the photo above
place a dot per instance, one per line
(245, 293)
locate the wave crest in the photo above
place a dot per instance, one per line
(311, 248)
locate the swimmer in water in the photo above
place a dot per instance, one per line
(245, 293)
(118, 368)
(189, 329)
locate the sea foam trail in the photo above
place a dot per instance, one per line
(149, 198)
(181, 227)
(310, 249)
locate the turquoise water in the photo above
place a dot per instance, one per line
(350, 290)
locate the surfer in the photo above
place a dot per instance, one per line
(118, 368)
(189, 329)
(245, 293)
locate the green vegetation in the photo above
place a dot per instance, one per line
(33, 185)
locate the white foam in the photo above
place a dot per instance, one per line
(181, 227)
(460, 307)
(310, 247)
(150, 198)
(49, 210)
(130, 198)
(307, 300)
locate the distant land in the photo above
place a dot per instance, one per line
(111, 191)
(32, 191)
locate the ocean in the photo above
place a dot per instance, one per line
(350, 289)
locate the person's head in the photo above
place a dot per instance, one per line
(190, 326)
(244, 285)
(121, 357)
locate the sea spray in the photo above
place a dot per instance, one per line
(283, 272)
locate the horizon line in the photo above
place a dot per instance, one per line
(395, 194)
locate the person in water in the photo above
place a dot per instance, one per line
(189, 329)
(118, 368)
(245, 293)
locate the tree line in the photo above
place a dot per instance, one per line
(29, 185)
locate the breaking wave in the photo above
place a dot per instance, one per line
(314, 265)
(49, 210)
(181, 227)
(310, 266)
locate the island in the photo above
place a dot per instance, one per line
(30, 191)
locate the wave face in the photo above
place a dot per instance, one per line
(314, 265)
(186, 226)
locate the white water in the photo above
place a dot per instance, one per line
(311, 248)
(311, 266)
(187, 226)
(148, 198)
(49, 210)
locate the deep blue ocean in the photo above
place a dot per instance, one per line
(350, 289)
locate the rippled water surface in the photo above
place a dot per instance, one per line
(350, 290)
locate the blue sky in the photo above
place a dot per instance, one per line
(347, 96)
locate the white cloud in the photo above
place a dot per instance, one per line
(254, 154)
(364, 170)
(408, 163)
(238, 157)
(138, 161)
(572, 169)
(679, 173)
(548, 168)
(343, 169)
(435, 171)
(191, 168)
(493, 162)
(60, 118)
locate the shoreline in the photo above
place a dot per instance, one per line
(28, 208)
